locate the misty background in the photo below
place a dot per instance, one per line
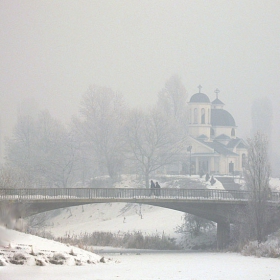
(52, 51)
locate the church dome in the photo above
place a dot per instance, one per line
(221, 117)
(217, 101)
(199, 98)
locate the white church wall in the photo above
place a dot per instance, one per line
(223, 130)
(198, 124)
(197, 130)
(223, 165)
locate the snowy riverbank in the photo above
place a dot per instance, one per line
(17, 248)
(160, 266)
(126, 264)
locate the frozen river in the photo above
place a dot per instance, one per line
(156, 265)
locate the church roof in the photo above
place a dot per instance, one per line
(222, 137)
(202, 136)
(221, 117)
(238, 142)
(241, 145)
(218, 101)
(233, 143)
(199, 98)
(218, 147)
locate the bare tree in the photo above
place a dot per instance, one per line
(57, 152)
(102, 125)
(20, 149)
(262, 120)
(41, 150)
(257, 181)
(154, 141)
(172, 101)
(7, 178)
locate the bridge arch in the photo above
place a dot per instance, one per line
(217, 205)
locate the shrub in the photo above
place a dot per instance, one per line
(125, 240)
(270, 249)
(18, 258)
(78, 262)
(40, 262)
(72, 252)
(57, 258)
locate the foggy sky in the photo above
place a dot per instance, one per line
(52, 51)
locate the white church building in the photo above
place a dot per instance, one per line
(213, 146)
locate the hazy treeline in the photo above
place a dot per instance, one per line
(106, 138)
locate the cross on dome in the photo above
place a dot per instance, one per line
(199, 88)
(217, 93)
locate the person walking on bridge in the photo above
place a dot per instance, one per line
(157, 191)
(153, 187)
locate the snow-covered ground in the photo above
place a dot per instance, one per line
(161, 266)
(115, 217)
(137, 265)
(17, 248)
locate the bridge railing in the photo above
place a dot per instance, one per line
(126, 193)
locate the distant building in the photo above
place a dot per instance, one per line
(213, 146)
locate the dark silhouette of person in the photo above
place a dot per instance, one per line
(153, 187)
(157, 189)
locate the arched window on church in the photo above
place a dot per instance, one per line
(203, 116)
(195, 116)
(208, 116)
(232, 132)
(243, 160)
(212, 132)
(190, 116)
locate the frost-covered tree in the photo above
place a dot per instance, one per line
(20, 152)
(154, 141)
(257, 181)
(195, 225)
(41, 150)
(102, 126)
(172, 101)
(57, 152)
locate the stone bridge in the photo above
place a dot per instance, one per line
(220, 206)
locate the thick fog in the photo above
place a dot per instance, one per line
(51, 51)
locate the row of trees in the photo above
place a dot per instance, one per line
(107, 138)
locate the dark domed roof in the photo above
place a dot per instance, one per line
(218, 101)
(220, 117)
(199, 98)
